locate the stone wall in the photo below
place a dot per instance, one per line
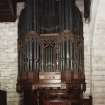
(98, 56)
(94, 52)
(8, 61)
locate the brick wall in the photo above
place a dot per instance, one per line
(94, 56)
(94, 51)
(8, 61)
(98, 56)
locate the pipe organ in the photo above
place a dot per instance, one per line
(51, 53)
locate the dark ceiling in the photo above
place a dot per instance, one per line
(8, 9)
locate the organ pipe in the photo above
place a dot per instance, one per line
(51, 52)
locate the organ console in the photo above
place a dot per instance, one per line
(51, 54)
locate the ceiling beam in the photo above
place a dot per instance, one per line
(7, 10)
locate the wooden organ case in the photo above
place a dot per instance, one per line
(51, 53)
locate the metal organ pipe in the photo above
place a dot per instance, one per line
(68, 54)
(35, 15)
(51, 51)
